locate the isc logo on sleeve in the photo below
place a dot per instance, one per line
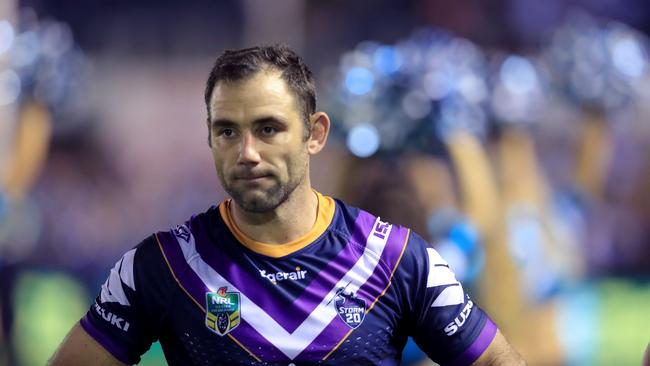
(381, 229)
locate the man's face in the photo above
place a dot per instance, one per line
(257, 140)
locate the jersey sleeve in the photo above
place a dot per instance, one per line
(442, 319)
(128, 314)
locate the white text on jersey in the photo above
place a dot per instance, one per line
(281, 276)
(112, 318)
(452, 327)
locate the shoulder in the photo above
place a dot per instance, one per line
(349, 218)
(149, 266)
(413, 271)
(199, 226)
(140, 271)
(389, 241)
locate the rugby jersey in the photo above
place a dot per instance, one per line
(349, 292)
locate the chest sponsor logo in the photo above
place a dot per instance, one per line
(223, 310)
(275, 277)
(351, 309)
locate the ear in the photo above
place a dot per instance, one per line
(320, 129)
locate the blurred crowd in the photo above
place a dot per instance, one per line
(527, 172)
(523, 158)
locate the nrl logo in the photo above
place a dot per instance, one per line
(182, 232)
(222, 311)
(351, 309)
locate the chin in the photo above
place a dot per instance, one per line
(257, 201)
(257, 205)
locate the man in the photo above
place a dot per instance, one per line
(279, 274)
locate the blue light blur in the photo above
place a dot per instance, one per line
(438, 85)
(628, 57)
(518, 75)
(363, 140)
(26, 49)
(359, 80)
(6, 36)
(10, 86)
(387, 60)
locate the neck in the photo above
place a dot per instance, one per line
(291, 220)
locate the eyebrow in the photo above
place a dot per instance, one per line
(224, 122)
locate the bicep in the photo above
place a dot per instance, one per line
(499, 352)
(79, 348)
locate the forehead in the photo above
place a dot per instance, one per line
(263, 93)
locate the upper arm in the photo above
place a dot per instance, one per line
(79, 348)
(444, 321)
(499, 352)
(127, 316)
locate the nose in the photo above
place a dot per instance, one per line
(248, 152)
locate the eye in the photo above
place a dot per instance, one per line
(269, 130)
(226, 132)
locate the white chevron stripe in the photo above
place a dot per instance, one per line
(126, 272)
(440, 275)
(292, 344)
(435, 258)
(122, 272)
(451, 295)
(439, 272)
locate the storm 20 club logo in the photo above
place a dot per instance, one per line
(222, 311)
(351, 309)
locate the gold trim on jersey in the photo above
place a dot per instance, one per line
(326, 208)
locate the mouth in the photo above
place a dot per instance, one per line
(252, 178)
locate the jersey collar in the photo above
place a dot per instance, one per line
(326, 208)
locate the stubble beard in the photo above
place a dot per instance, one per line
(260, 200)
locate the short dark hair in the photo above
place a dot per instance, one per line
(236, 65)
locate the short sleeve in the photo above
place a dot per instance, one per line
(128, 314)
(442, 319)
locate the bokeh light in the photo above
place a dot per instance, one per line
(6, 36)
(10, 87)
(26, 50)
(359, 80)
(518, 75)
(387, 59)
(363, 140)
(628, 56)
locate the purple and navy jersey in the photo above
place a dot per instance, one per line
(349, 292)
